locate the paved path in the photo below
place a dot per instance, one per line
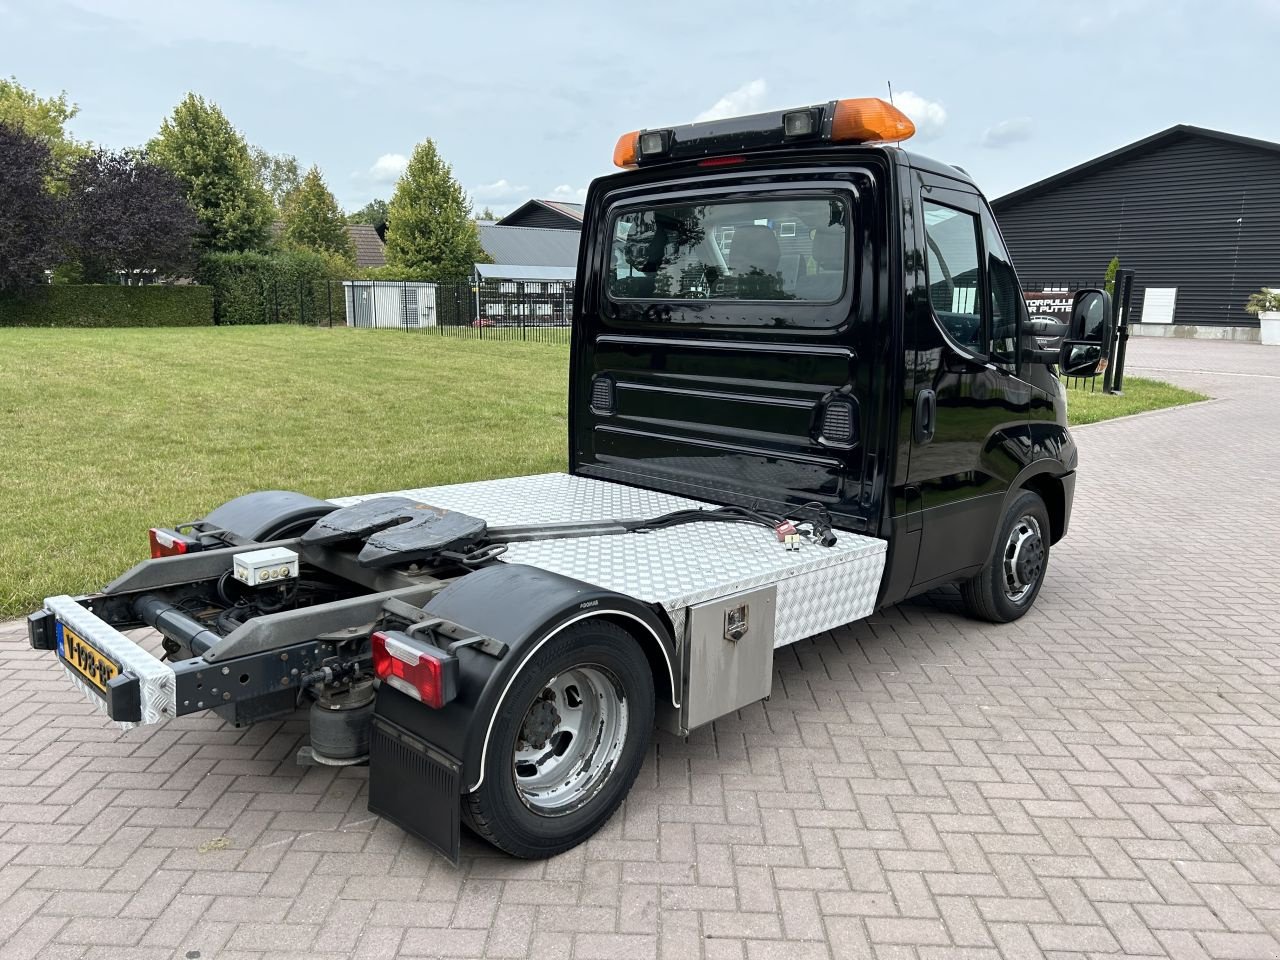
(1101, 778)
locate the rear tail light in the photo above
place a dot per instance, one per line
(170, 543)
(415, 668)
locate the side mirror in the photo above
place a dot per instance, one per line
(1085, 349)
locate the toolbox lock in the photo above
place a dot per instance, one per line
(737, 622)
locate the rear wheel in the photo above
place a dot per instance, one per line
(567, 743)
(1008, 585)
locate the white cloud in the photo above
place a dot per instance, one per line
(928, 115)
(1006, 132)
(388, 167)
(568, 193)
(502, 189)
(747, 99)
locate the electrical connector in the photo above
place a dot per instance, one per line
(792, 541)
(784, 530)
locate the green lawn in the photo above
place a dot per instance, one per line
(104, 433)
(1140, 395)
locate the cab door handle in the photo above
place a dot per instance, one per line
(926, 415)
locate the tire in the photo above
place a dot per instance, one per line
(1008, 585)
(567, 743)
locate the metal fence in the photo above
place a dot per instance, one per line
(539, 311)
(497, 310)
(1111, 380)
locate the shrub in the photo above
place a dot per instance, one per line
(288, 286)
(1264, 301)
(107, 305)
(1109, 283)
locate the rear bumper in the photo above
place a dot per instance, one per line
(145, 688)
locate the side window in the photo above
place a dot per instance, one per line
(953, 267)
(1007, 304)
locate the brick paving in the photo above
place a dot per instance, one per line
(1099, 779)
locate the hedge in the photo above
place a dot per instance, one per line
(291, 286)
(108, 305)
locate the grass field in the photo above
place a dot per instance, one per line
(104, 433)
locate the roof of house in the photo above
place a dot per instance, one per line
(1138, 147)
(530, 246)
(568, 213)
(505, 271)
(370, 250)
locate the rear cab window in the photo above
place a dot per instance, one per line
(783, 260)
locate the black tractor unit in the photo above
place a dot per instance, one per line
(804, 386)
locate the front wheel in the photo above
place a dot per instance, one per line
(567, 743)
(1008, 585)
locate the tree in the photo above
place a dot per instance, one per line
(44, 118)
(277, 172)
(373, 213)
(29, 214)
(313, 219)
(126, 213)
(429, 225)
(486, 214)
(212, 160)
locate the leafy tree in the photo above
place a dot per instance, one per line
(126, 213)
(44, 118)
(373, 213)
(486, 214)
(277, 172)
(313, 219)
(212, 160)
(29, 213)
(429, 225)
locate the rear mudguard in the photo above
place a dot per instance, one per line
(268, 515)
(523, 607)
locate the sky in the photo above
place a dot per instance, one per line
(527, 99)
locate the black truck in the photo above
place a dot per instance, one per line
(804, 387)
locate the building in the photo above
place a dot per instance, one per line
(1195, 213)
(370, 250)
(368, 245)
(552, 214)
(529, 246)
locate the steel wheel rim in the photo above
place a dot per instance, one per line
(570, 740)
(1023, 559)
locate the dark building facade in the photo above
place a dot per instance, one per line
(1188, 208)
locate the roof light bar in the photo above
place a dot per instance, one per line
(864, 120)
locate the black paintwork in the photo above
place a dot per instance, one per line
(723, 401)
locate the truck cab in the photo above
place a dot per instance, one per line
(804, 386)
(773, 311)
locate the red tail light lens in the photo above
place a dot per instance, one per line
(722, 161)
(170, 543)
(420, 670)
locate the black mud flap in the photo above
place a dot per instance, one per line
(416, 786)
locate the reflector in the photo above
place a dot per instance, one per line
(869, 120)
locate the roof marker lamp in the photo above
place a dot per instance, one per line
(653, 143)
(869, 120)
(798, 123)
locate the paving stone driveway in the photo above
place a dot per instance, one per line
(1101, 778)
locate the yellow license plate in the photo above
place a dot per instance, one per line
(85, 659)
